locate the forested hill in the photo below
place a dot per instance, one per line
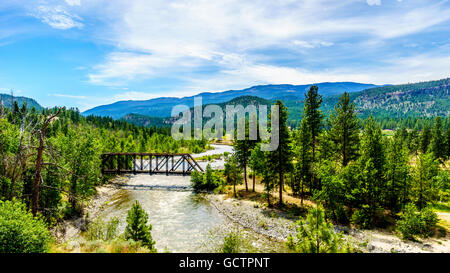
(425, 99)
(146, 121)
(143, 120)
(416, 100)
(162, 107)
(8, 99)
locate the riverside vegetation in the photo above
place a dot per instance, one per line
(358, 174)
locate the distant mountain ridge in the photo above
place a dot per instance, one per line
(425, 99)
(162, 107)
(6, 100)
(142, 120)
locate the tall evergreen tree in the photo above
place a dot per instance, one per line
(280, 160)
(345, 129)
(397, 169)
(313, 115)
(425, 139)
(232, 172)
(243, 149)
(371, 170)
(303, 153)
(413, 141)
(424, 173)
(137, 228)
(438, 142)
(256, 163)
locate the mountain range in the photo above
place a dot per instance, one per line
(423, 99)
(162, 107)
(7, 101)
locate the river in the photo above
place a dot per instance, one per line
(181, 220)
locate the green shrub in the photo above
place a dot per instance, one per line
(363, 217)
(99, 230)
(232, 243)
(20, 232)
(207, 181)
(342, 215)
(429, 220)
(413, 222)
(196, 180)
(137, 228)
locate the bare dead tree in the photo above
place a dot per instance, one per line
(18, 163)
(40, 153)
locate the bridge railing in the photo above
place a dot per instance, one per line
(151, 163)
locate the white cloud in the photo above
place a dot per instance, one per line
(73, 2)
(70, 96)
(313, 44)
(156, 39)
(57, 17)
(373, 2)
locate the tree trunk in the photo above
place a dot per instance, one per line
(301, 200)
(281, 188)
(254, 179)
(234, 189)
(245, 177)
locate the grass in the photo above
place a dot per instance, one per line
(98, 246)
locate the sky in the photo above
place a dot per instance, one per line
(84, 53)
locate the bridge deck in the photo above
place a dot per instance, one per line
(151, 163)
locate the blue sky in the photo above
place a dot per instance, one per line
(82, 53)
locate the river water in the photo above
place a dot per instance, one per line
(181, 220)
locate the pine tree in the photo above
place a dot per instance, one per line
(268, 179)
(313, 115)
(280, 160)
(256, 163)
(397, 169)
(425, 139)
(345, 129)
(413, 141)
(137, 228)
(437, 142)
(232, 172)
(424, 173)
(242, 150)
(316, 235)
(371, 162)
(303, 153)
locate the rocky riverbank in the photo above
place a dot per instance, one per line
(277, 225)
(71, 228)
